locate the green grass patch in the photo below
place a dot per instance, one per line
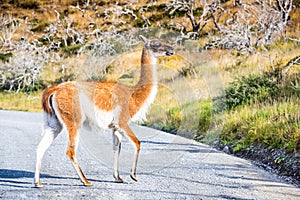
(21, 101)
(274, 125)
(193, 117)
(261, 110)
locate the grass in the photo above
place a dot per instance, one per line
(177, 114)
(21, 101)
(274, 125)
(257, 109)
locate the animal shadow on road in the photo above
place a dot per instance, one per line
(19, 178)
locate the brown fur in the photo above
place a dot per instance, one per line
(138, 98)
(46, 98)
(104, 96)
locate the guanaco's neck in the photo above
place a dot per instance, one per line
(148, 68)
(145, 91)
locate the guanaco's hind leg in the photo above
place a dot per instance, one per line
(71, 153)
(51, 131)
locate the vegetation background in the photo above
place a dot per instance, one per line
(234, 82)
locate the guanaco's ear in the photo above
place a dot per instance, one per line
(143, 38)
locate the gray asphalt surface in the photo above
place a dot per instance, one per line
(170, 167)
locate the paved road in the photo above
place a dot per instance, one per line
(170, 167)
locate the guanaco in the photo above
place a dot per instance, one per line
(109, 105)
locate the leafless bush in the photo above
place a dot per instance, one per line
(8, 27)
(23, 70)
(212, 11)
(254, 25)
(27, 58)
(62, 33)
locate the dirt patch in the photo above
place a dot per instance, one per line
(276, 161)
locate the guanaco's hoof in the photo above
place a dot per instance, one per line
(118, 179)
(38, 185)
(88, 184)
(133, 176)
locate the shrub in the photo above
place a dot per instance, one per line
(249, 89)
(5, 56)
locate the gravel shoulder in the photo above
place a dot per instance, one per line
(170, 167)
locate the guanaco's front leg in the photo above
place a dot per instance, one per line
(117, 140)
(131, 136)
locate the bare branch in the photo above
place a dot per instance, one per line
(212, 12)
(8, 27)
(294, 61)
(114, 13)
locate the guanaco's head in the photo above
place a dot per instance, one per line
(157, 47)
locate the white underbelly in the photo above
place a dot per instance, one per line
(103, 118)
(94, 116)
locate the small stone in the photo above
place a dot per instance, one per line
(226, 150)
